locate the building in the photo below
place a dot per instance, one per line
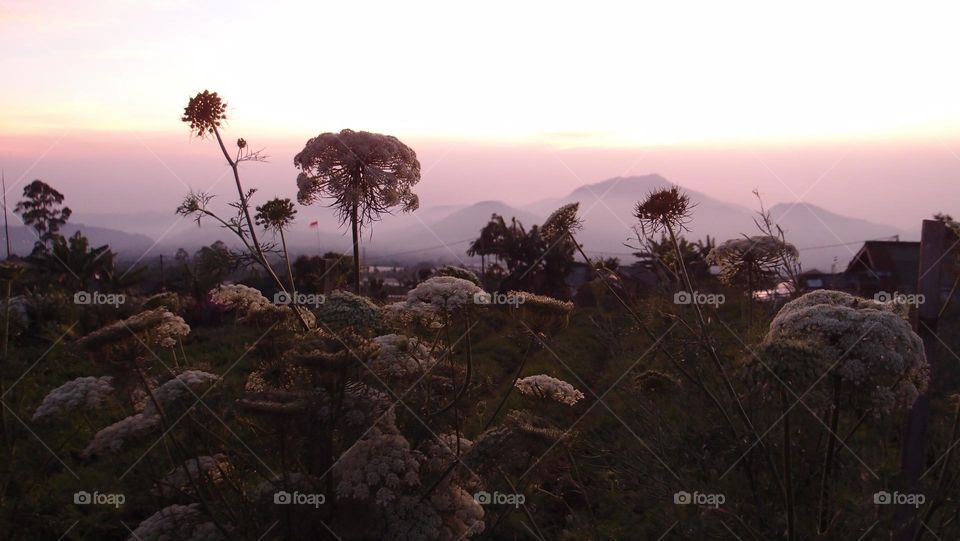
(815, 279)
(889, 266)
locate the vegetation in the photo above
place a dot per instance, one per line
(473, 407)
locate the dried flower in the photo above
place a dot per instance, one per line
(545, 386)
(276, 214)
(562, 221)
(749, 260)
(666, 209)
(204, 113)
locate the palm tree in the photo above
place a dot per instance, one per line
(365, 174)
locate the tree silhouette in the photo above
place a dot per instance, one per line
(537, 259)
(365, 174)
(41, 209)
(75, 263)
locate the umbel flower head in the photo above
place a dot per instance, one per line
(866, 344)
(544, 386)
(369, 172)
(204, 113)
(562, 221)
(276, 214)
(81, 393)
(751, 258)
(666, 209)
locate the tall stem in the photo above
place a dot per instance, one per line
(6, 340)
(245, 206)
(828, 459)
(354, 222)
(707, 345)
(787, 467)
(286, 259)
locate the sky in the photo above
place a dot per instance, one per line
(852, 106)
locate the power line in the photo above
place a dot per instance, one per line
(417, 250)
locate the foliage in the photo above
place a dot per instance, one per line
(42, 209)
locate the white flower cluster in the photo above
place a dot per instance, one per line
(186, 387)
(400, 356)
(177, 522)
(443, 450)
(82, 393)
(379, 464)
(154, 327)
(344, 309)
(403, 313)
(253, 307)
(170, 330)
(201, 469)
(362, 405)
(114, 437)
(462, 514)
(410, 519)
(868, 343)
(238, 297)
(545, 386)
(444, 293)
(450, 512)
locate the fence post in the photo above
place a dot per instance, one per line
(913, 453)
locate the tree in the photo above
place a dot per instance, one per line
(41, 209)
(537, 259)
(74, 263)
(365, 174)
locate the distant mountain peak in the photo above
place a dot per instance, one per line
(622, 184)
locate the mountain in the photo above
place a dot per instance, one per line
(125, 244)
(442, 233)
(443, 238)
(826, 240)
(607, 210)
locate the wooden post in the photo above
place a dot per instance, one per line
(912, 458)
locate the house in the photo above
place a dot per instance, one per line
(815, 279)
(889, 266)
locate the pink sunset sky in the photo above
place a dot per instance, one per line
(852, 107)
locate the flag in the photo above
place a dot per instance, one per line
(314, 223)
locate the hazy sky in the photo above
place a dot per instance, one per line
(853, 106)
